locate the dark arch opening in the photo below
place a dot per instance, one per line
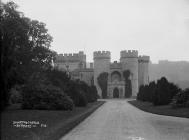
(116, 93)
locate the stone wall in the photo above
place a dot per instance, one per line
(70, 61)
(87, 75)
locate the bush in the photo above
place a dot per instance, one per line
(160, 93)
(181, 99)
(94, 93)
(58, 78)
(77, 94)
(72, 87)
(42, 96)
(82, 99)
(89, 91)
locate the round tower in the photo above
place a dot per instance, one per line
(143, 70)
(101, 64)
(129, 61)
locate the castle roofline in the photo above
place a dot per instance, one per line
(71, 57)
(101, 54)
(129, 54)
(143, 58)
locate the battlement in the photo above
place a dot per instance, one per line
(115, 65)
(71, 57)
(143, 58)
(101, 55)
(129, 54)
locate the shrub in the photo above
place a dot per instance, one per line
(181, 99)
(77, 94)
(72, 87)
(94, 93)
(89, 91)
(58, 78)
(42, 96)
(146, 92)
(82, 99)
(160, 93)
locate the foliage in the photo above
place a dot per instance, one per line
(94, 93)
(128, 84)
(103, 82)
(160, 93)
(165, 92)
(181, 99)
(76, 94)
(77, 90)
(146, 92)
(72, 87)
(82, 99)
(58, 78)
(26, 60)
(41, 96)
(25, 48)
(90, 91)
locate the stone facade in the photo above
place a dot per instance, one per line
(70, 62)
(129, 60)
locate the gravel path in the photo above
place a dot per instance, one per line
(118, 120)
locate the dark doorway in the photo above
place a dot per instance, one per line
(116, 93)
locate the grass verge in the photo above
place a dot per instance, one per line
(161, 110)
(58, 123)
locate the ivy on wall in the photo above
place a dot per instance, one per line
(128, 84)
(103, 83)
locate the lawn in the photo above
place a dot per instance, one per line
(52, 124)
(161, 110)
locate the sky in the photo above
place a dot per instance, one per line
(158, 28)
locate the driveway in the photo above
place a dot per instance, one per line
(118, 120)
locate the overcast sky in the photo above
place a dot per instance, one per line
(158, 28)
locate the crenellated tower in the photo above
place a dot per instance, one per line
(143, 70)
(101, 64)
(129, 61)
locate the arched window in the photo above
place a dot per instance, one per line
(115, 76)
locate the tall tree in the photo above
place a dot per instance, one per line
(25, 48)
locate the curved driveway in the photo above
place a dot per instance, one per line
(118, 120)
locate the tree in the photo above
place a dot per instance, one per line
(103, 83)
(128, 84)
(25, 48)
(163, 95)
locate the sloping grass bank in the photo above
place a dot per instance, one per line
(161, 110)
(52, 124)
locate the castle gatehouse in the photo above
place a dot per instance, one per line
(124, 77)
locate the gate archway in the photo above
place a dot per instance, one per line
(116, 93)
